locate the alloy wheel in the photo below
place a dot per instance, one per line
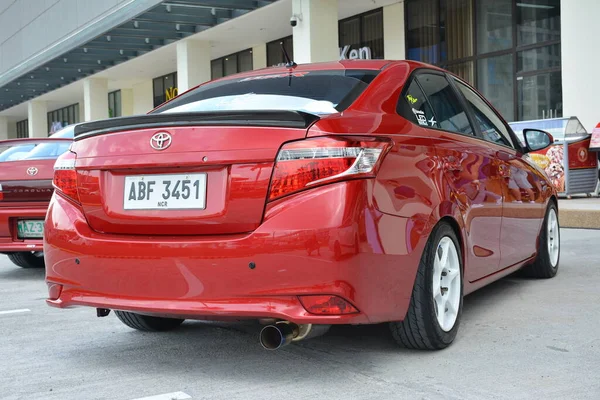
(446, 283)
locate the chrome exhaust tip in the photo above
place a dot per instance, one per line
(282, 333)
(273, 337)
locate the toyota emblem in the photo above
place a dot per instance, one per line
(160, 141)
(31, 171)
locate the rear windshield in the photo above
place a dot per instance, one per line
(316, 92)
(37, 151)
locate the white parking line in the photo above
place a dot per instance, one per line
(168, 396)
(15, 311)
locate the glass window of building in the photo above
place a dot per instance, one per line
(538, 21)
(165, 88)
(232, 64)
(62, 117)
(361, 36)
(494, 25)
(423, 31)
(495, 80)
(509, 50)
(114, 104)
(23, 129)
(456, 29)
(274, 53)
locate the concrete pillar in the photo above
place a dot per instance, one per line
(37, 114)
(143, 98)
(3, 128)
(393, 32)
(193, 63)
(580, 85)
(316, 34)
(95, 99)
(259, 56)
(126, 102)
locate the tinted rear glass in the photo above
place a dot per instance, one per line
(317, 92)
(37, 151)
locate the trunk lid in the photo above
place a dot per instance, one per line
(26, 168)
(209, 173)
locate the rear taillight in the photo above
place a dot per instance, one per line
(308, 163)
(65, 176)
(1, 193)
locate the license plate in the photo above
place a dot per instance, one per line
(165, 192)
(30, 229)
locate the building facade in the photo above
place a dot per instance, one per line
(124, 57)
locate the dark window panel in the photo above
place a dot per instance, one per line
(456, 29)
(495, 80)
(540, 96)
(538, 21)
(539, 58)
(494, 25)
(423, 30)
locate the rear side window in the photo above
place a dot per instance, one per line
(492, 127)
(446, 106)
(415, 108)
(317, 92)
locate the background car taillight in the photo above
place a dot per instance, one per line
(308, 163)
(65, 176)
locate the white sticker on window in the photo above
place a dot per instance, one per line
(421, 118)
(432, 121)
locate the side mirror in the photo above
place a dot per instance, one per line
(536, 139)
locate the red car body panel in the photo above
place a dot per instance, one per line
(24, 196)
(358, 239)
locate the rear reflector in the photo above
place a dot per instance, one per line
(308, 163)
(54, 291)
(65, 176)
(327, 305)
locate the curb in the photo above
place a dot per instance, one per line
(585, 219)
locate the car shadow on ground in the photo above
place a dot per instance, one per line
(234, 347)
(22, 274)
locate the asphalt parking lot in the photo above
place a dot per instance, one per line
(519, 339)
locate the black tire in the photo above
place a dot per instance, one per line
(420, 328)
(147, 323)
(28, 259)
(543, 267)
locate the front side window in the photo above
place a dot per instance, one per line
(492, 127)
(447, 108)
(317, 92)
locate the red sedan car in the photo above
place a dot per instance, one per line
(353, 192)
(26, 172)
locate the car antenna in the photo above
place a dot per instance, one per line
(288, 61)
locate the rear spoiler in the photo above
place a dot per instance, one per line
(270, 118)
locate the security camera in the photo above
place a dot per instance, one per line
(294, 19)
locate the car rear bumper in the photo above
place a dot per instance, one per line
(330, 240)
(9, 242)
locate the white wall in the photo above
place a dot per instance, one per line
(143, 98)
(393, 32)
(581, 60)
